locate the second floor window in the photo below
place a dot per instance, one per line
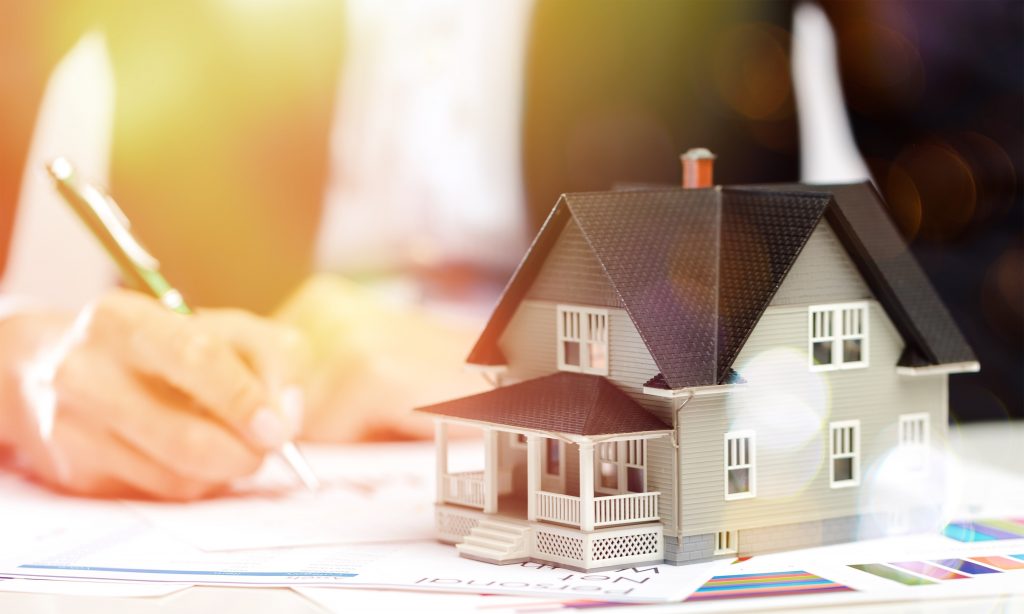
(838, 336)
(583, 339)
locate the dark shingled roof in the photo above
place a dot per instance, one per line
(695, 269)
(570, 403)
(662, 260)
(762, 235)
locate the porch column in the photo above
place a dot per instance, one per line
(532, 474)
(441, 450)
(490, 471)
(587, 485)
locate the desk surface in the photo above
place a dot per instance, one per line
(996, 444)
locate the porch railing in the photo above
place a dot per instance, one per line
(554, 507)
(621, 509)
(608, 511)
(464, 488)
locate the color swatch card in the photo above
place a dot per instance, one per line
(985, 529)
(767, 584)
(910, 568)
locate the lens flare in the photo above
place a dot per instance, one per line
(787, 405)
(904, 490)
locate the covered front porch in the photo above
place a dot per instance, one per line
(610, 478)
(564, 475)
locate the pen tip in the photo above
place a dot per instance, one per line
(300, 466)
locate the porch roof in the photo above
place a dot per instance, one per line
(570, 403)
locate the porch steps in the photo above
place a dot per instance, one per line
(497, 541)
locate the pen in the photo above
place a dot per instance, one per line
(111, 227)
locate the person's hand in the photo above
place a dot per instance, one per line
(132, 399)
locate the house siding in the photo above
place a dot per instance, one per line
(572, 271)
(789, 408)
(822, 272)
(529, 341)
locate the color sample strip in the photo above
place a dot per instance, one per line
(999, 562)
(1009, 525)
(993, 530)
(963, 532)
(932, 571)
(891, 573)
(965, 566)
(765, 585)
(741, 559)
(1018, 556)
(984, 530)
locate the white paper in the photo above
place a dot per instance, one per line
(370, 493)
(91, 588)
(45, 535)
(139, 553)
(31, 513)
(369, 600)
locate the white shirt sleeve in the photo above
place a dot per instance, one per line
(426, 145)
(53, 258)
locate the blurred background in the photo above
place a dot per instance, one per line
(429, 138)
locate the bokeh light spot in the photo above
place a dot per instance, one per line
(904, 201)
(884, 66)
(787, 405)
(752, 71)
(944, 184)
(903, 490)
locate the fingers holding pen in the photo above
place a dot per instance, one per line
(277, 353)
(131, 398)
(84, 458)
(154, 420)
(201, 365)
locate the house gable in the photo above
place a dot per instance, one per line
(885, 261)
(823, 273)
(572, 274)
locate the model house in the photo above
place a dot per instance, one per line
(684, 374)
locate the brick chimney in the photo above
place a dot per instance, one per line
(698, 166)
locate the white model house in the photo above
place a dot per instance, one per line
(693, 373)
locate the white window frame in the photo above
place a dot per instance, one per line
(726, 542)
(740, 457)
(844, 319)
(842, 446)
(584, 333)
(631, 453)
(914, 435)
